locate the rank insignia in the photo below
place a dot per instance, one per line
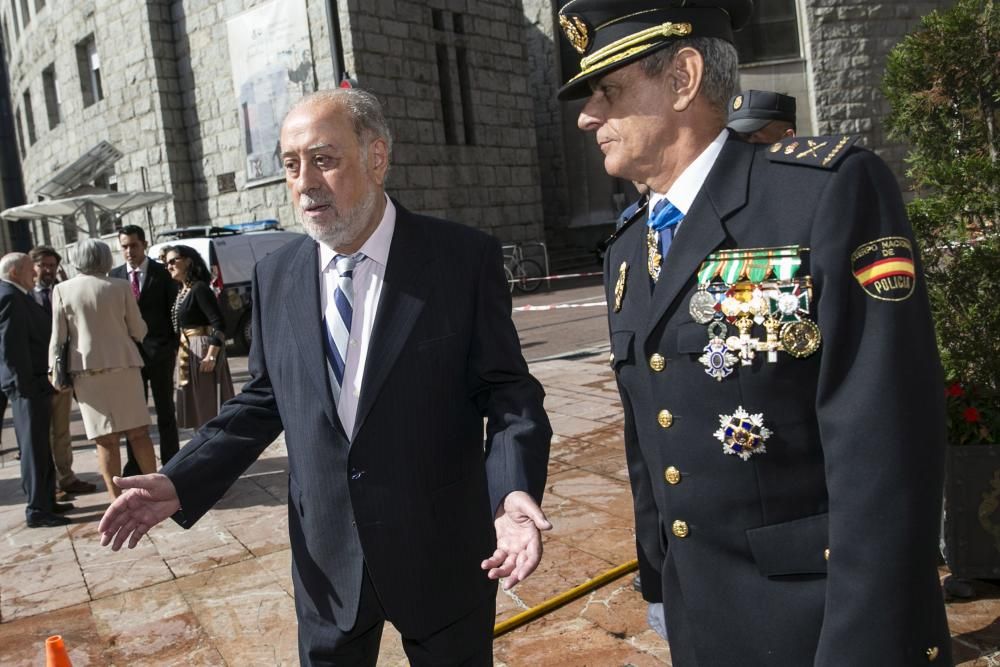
(718, 360)
(884, 268)
(821, 152)
(742, 434)
(620, 285)
(576, 32)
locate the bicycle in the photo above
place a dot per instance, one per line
(524, 273)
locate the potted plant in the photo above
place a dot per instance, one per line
(943, 84)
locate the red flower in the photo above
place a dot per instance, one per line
(971, 415)
(954, 390)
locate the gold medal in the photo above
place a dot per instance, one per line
(620, 285)
(800, 339)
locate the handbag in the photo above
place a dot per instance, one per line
(60, 374)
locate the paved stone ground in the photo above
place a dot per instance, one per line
(221, 593)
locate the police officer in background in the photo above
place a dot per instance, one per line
(772, 342)
(762, 116)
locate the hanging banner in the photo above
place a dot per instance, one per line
(272, 66)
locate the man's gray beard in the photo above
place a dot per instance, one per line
(348, 226)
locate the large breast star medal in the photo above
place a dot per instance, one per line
(743, 434)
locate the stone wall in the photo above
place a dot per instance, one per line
(850, 42)
(450, 73)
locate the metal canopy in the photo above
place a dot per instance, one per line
(84, 169)
(104, 201)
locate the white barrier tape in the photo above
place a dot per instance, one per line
(559, 306)
(559, 277)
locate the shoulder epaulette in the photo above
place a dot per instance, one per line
(822, 152)
(640, 212)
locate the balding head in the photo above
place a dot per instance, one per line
(18, 268)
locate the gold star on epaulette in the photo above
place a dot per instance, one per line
(822, 152)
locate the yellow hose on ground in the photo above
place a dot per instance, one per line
(564, 598)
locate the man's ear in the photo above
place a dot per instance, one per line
(686, 71)
(378, 159)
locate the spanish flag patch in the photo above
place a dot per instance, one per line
(884, 268)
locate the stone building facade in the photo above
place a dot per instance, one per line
(449, 73)
(468, 86)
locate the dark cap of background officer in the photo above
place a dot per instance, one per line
(753, 109)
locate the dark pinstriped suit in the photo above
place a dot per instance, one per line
(413, 496)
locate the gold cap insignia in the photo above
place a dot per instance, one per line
(576, 32)
(737, 102)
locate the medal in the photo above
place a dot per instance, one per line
(717, 329)
(788, 303)
(772, 345)
(742, 434)
(744, 344)
(800, 339)
(702, 306)
(653, 257)
(718, 360)
(620, 285)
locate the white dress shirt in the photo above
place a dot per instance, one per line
(682, 193)
(367, 279)
(140, 270)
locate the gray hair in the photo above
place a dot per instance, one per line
(364, 109)
(722, 72)
(9, 262)
(92, 257)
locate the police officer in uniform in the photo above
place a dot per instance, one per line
(771, 338)
(762, 116)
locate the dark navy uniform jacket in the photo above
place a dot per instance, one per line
(822, 549)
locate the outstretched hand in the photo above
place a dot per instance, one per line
(146, 501)
(519, 522)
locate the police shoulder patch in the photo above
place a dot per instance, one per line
(884, 268)
(822, 152)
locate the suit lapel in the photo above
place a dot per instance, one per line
(301, 294)
(724, 191)
(404, 292)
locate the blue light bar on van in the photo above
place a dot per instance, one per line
(254, 226)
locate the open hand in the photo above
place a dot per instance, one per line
(146, 501)
(519, 523)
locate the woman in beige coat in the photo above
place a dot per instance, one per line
(101, 319)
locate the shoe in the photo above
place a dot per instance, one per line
(62, 496)
(637, 584)
(62, 508)
(46, 520)
(78, 486)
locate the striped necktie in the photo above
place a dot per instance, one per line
(337, 320)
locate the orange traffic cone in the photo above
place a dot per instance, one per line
(55, 653)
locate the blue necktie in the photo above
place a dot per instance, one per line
(338, 327)
(664, 220)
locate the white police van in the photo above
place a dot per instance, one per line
(230, 253)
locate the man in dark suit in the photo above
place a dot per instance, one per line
(24, 352)
(772, 342)
(380, 348)
(155, 290)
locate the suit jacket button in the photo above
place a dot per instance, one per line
(826, 554)
(672, 475)
(665, 419)
(932, 653)
(657, 362)
(611, 359)
(680, 529)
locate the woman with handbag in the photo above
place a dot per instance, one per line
(95, 325)
(202, 378)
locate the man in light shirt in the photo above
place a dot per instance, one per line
(381, 345)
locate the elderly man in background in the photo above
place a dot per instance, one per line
(24, 339)
(381, 345)
(47, 262)
(775, 356)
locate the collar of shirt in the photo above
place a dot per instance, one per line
(141, 269)
(682, 193)
(23, 291)
(376, 248)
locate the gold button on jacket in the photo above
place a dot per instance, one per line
(665, 419)
(672, 475)
(932, 653)
(680, 528)
(657, 362)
